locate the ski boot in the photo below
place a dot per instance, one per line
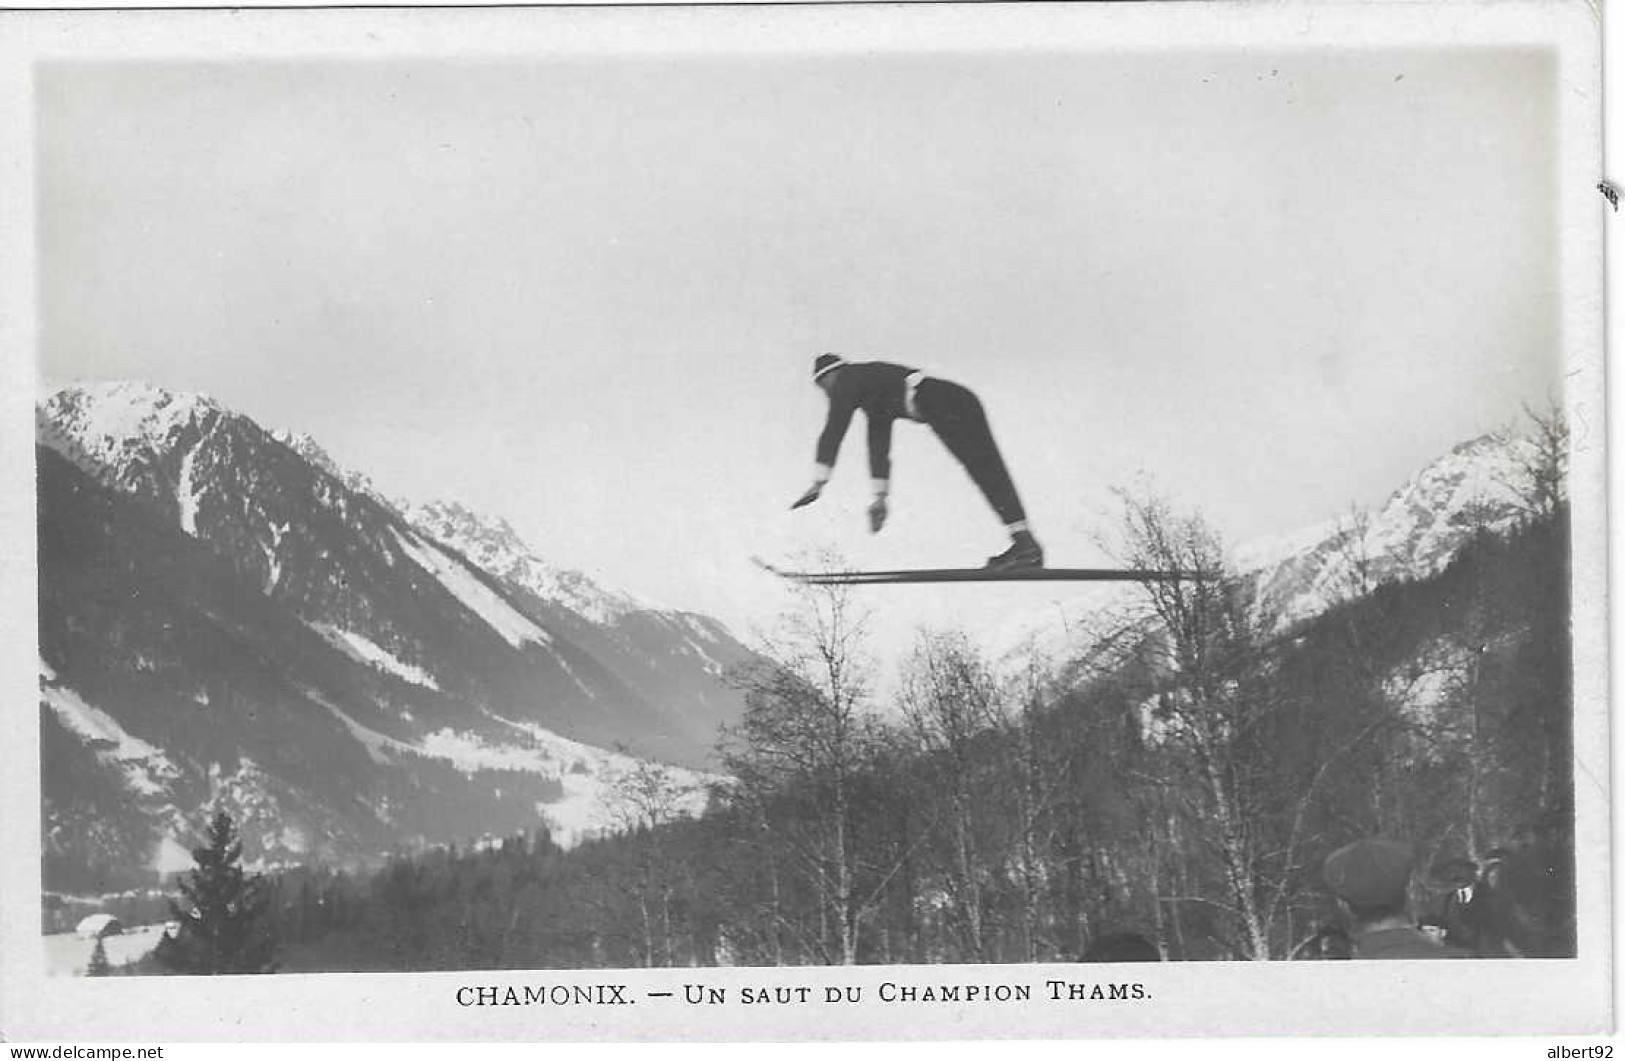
(1024, 552)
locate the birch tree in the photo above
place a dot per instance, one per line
(807, 734)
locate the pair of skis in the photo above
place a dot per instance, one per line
(975, 574)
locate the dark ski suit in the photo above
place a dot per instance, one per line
(887, 392)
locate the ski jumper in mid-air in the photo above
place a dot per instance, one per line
(887, 392)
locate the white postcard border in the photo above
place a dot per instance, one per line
(1185, 999)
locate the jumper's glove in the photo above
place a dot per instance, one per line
(810, 496)
(877, 514)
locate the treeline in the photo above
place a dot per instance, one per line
(1182, 780)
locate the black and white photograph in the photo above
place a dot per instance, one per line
(807, 521)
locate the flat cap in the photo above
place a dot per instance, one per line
(1456, 873)
(1370, 872)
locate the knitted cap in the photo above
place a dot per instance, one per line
(1370, 872)
(825, 363)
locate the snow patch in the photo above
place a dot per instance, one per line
(68, 953)
(569, 672)
(1426, 686)
(695, 646)
(111, 422)
(273, 569)
(273, 560)
(474, 594)
(372, 654)
(588, 775)
(311, 451)
(293, 839)
(470, 754)
(1425, 693)
(146, 770)
(374, 742)
(496, 547)
(1270, 550)
(171, 856)
(187, 495)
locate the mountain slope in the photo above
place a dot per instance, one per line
(666, 655)
(224, 617)
(322, 544)
(1481, 485)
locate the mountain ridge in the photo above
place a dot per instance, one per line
(230, 617)
(1483, 483)
(214, 592)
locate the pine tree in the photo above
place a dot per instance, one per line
(224, 924)
(99, 965)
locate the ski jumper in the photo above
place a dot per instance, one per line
(887, 392)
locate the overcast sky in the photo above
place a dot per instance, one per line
(585, 294)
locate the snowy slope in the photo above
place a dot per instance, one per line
(679, 658)
(1479, 485)
(498, 614)
(117, 425)
(229, 618)
(589, 775)
(319, 540)
(146, 770)
(365, 651)
(493, 545)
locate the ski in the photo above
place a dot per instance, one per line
(977, 574)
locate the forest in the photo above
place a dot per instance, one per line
(1180, 780)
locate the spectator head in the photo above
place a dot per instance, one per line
(1371, 877)
(1455, 874)
(1329, 943)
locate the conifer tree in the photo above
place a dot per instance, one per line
(224, 922)
(99, 965)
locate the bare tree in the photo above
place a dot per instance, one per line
(1540, 458)
(645, 796)
(951, 705)
(1217, 726)
(807, 735)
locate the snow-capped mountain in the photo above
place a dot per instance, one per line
(1483, 484)
(663, 653)
(1479, 485)
(666, 653)
(227, 615)
(494, 546)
